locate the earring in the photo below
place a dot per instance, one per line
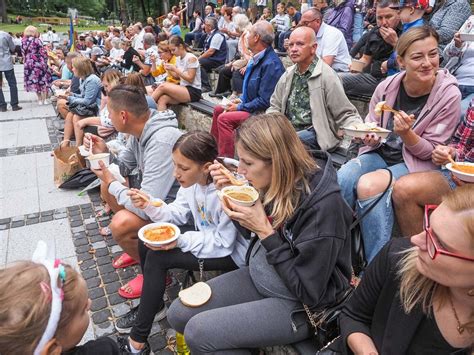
(470, 292)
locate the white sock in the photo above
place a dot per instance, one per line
(133, 350)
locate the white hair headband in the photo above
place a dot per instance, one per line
(55, 270)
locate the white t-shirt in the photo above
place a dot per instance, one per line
(138, 40)
(216, 41)
(115, 53)
(184, 64)
(283, 22)
(229, 26)
(331, 41)
(153, 50)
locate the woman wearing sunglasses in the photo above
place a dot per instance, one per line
(418, 297)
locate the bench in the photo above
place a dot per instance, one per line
(204, 106)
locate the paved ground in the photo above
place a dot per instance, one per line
(32, 208)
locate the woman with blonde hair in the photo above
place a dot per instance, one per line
(418, 297)
(84, 104)
(299, 252)
(37, 76)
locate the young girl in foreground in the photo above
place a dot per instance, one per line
(52, 317)
(215, 245)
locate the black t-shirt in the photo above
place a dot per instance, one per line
(101, 346)
(128, 59)
(379, 50)
(429, 340)
(391, 150)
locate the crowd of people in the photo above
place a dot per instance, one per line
(287, 258)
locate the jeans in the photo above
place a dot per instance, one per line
(358, 27)
(308, 138)
(377, 226)
(359, 86)
(223, 127)
(232, 44)
(467, 95)
(155, 264)
(10, 76)
(242, 3)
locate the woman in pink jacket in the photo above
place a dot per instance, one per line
(428, 101)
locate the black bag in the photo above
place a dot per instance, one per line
(326, 323)
(359, 261)
(80, 179)
(83, 110)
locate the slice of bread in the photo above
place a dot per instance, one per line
(196, 295)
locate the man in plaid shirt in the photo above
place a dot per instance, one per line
(413, 191)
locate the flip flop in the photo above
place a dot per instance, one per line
(105, 231)
(135, 287)
(123, 261)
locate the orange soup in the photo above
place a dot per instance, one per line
(240, 196)
(464, 168)
(159, 234)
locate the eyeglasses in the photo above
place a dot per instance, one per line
(432, 241)
(306, 23)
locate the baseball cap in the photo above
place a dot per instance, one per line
(417, 4)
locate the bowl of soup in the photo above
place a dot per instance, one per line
(159, 233)
(95, 158)
(241, 195)
(462, 170)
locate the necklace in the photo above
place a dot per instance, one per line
(460, 327)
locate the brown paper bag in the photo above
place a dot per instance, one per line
(67, 161)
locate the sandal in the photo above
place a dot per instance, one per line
(133, 288)
(103, 213)
(124, 261)
(105, 231)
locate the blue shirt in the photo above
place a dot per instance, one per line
(176, 30)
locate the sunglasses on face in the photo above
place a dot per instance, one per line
(433, 244)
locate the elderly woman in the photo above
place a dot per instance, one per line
(231, 76)
(299, 253)
(418, 297)
(84, 104)
(37, 76)
(427, 101)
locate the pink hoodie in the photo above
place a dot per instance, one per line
(435, 124)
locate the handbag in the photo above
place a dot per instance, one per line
(358, 259)
(326, 322)
(83, 110)
(67, 162)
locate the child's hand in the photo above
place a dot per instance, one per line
(139, 198)
(219, 178)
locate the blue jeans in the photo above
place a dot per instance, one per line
(308, 138)
(242, 3)
(467, 94)
(377, 226)
(358, 27)
(10, 76)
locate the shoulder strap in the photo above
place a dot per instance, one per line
(377, 200)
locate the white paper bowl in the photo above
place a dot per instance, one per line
(459, 174)
(361, 133)
(244, 189)
(141, 233)
(95, 158)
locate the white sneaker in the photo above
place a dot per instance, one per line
(47, 102)
(40, 103)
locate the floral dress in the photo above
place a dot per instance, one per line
(37, 76)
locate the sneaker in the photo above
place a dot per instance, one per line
(125, 323)
(125, 349)
(16, 108)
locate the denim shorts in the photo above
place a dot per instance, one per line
(448, 176)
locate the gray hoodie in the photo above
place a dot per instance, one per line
(151, 154)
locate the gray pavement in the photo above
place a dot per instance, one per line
(32, 209)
